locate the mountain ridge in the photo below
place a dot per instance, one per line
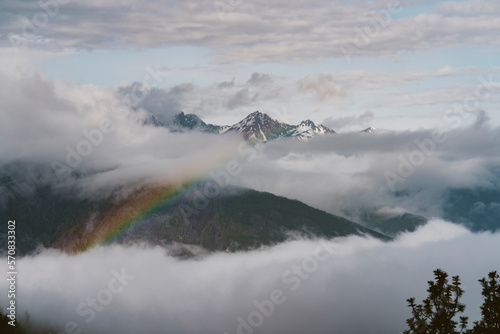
(256, 126)
(236, 219)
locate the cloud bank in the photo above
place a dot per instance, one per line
(63, 134)
(412, 170)
(346, 285)
(254, 31)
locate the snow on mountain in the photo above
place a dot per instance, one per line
(369, 130)
(186, 122)
(307, 129)
(152, 121)
(256, 126)
(260, 127)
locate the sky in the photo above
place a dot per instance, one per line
(404, 62)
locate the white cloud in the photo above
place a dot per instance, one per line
(349, 121)
(259, 30)
(346, 172)
(362, 279)
(335, 173)
(323, 86)
(469, 8)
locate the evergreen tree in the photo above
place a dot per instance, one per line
(436, 314)
(6, 328)
(490, 310)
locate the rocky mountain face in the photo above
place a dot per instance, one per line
(392, 224)
(260, 127)
(255, 127)
(183, 122)
(369, 130)
(235, 219)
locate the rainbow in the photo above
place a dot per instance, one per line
(114, 222)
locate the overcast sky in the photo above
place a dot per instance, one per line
(350, 64)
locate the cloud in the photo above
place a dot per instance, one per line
(238, 97)
(64, 134)
(324, 86)
(373, 80)
(356, 279)
(346, 173)
(259, 79)
(482, 120)
(343, 174)
(257, 31)
(241, 98)
(348, 90)
(165, 104)
(468, 8)
(226, 84)
(342, 122)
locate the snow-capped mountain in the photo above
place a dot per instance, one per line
(256, 126)
(183, 122)
(307, 129)
(192, 122)
(151, 120)
(260, 127)
(369, 130)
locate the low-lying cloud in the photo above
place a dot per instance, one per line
(344, 173)
(345, 285)
(70, 135)
(44, 121)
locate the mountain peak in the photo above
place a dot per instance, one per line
(256, 113)
(256, 126)
(307, 122)
(182, 122)
(369, 130)
(259, 127)
(258, 116)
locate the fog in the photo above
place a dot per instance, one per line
(360, 285)
(90, 138)
(344, 285)
(406, 170)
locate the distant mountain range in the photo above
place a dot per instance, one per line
(256, 126)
